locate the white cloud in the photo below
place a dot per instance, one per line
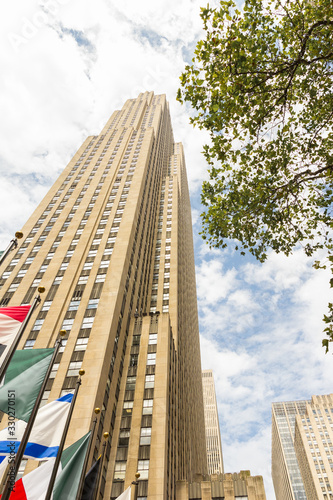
(213, 284)
(261, 333)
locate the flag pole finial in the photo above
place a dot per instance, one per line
(97, 411)
(41, 289)
(62, 333)
(13, 244)
(81, 372)
(106, 435)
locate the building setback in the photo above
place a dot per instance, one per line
(212, 426)
(237, 486)
(112, 244)
(302, 449)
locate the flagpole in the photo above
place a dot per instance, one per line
(19, 334)
(13, 244)
(105, 435)
(83, 472)
(20, 452)
(63, 439)
(136, 484)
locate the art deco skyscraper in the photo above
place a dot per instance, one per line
(112, 244)
(302, 449)
(213, 435)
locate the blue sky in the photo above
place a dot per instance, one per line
(66, 65)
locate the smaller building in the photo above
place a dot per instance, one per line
(302, 449)
(237, 486)
(212, 427)
(286, 475)
(314, 447)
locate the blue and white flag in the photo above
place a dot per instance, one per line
(46, 433)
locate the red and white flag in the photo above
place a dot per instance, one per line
(11, 318)
(34, 486)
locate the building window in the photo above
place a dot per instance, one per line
(147, 406)
(54, 370)
(88, 265)
(104, 264)
(29, 344)
(100, 278)
(124, 437)
(119, 470)
(149, 381)
(145, 436)
(92, 304)
(87, 322)
(74, 305)
(73, 369)
(143, 468)
(67, 324)
(38, 324)
(46, 305)
(128, 404)
(81, 344)
(63, 345)
(130, 383)
(13, 287)
(151, 358)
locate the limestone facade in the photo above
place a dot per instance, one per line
(112, 244)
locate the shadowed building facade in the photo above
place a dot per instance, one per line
(212, 426)
(112, 244)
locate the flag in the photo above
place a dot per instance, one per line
(124, 496)
(34, 486)
(72, 461)
(90, 481)
(46, 433)
(11, 318)
(23, 380)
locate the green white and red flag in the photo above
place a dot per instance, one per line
(34, 486)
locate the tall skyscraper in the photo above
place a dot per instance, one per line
(112, 244)
(302, 449)
(212, 426)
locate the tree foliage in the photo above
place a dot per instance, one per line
(261, 84)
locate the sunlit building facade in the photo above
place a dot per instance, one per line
(236, 486)
(302, 449)
(212, 426)
(112, 244)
